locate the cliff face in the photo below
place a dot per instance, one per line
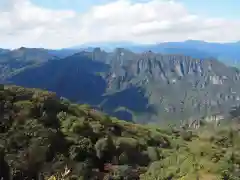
(177, 84)
(171, 67)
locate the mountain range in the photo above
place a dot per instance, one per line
(225, 52)
(144, 87)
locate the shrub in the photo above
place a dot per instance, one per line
(104, 148)
(125, 143)
(81, 150)
(153, 153)
(123, 172)
(187, 135)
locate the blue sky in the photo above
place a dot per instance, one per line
(210, 8)
(76, 5)
(66, 23)
(214, 8)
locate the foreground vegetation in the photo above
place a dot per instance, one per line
(43, 137)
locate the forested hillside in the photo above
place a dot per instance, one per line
(44, 137)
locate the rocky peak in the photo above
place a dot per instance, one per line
(97, 50)
(99, 55)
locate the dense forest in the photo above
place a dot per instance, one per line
(46, 137)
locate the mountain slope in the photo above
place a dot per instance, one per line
(42, 136)
(2, 51)
(17, 60)
(74, 77)
(146, 87)
(180, 85)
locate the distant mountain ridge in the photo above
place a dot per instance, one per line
(144, 87)
(16, 60)
(225, 52)
(106, 46)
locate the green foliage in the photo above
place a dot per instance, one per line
(41, 135)
(123, 172)
(153, 153)
(82, 149)
(104, 147)
(187, 135)
(125, 143)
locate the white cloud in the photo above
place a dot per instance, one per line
(24, 24)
